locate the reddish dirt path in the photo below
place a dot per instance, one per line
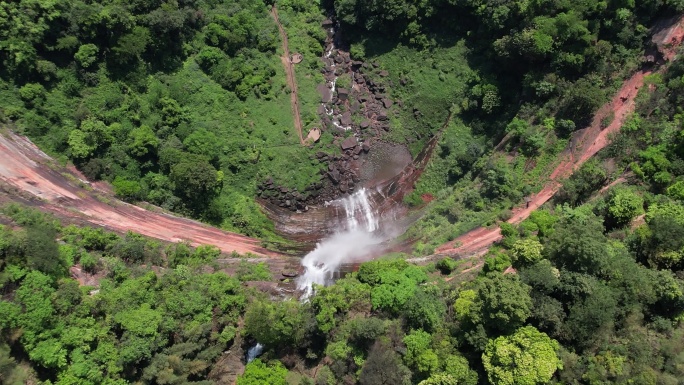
(582, 147)
(26, 171)
(289, 72)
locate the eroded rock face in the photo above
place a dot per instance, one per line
(384, 169)
(355, 108)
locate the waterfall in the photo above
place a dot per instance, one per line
(357, 240)
(333, 84)
(358, 207)
(254, 352)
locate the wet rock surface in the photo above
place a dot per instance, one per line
(355, 108)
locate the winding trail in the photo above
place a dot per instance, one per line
(28, 173)
(584, 145)
(581, 148)
(289, 73)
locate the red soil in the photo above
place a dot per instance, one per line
(582, 147)
(27, 171)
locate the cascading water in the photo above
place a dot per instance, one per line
(359, 211)
(254, 352)
(357, 240)
(332, 84)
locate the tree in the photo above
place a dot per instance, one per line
(526, 251)
(528, 357)
(496, 260)
(440, 379)
(393, 283)
(204, 143)
(578, 244)
(581, 184)
(419, 355)
(195, 180)
(91, 136)
(456, 367)
(581, 100)
(142, 141)
(384, 367)
(126, 189)
(334, 301)
(278, 325)
(502, 304)
(42, 251)
(258, 373)
(86, 55)
(623, 205)
(132, 45)
(425, 309)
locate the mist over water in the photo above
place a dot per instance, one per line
(358, 239)
(345, 247)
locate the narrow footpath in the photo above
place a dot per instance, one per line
(290, 74)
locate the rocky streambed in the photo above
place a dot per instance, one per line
(357, 110)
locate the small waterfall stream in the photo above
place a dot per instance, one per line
(254, 352)
(336, 119)
(357, 240)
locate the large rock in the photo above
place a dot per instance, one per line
(334, 176)
(365, 124)
(384, 73)
(342, 93)
(346, 119)
(349, 143)
(387, 103)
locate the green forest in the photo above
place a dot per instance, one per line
(184, 104)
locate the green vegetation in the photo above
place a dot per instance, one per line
(184, 104)
(139, 325)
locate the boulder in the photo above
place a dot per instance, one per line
(342, 93)
(346, 119)
(334, 176)
(327, 23)
(365, 124)
(321, 110)
(382, 117)
(384, 73)
(387, 103)
(349, 143)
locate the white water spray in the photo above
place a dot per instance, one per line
(355, 243)
(254, 352)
